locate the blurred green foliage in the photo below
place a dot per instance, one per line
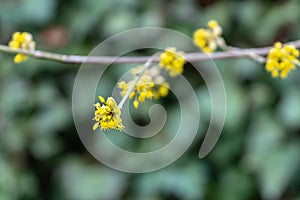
(42, 157)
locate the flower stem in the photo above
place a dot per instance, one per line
(137, 78)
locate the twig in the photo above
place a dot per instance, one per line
(192, 57)
(137, 78)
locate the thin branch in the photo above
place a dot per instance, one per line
(137, 78)
(192, 57)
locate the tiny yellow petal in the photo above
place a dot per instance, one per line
(163, 91)
(136, 104)
(20, 58)
(14, 44)
(16, 35)
(212, 24)
(278, 45)
(132, 94)
(96, 125)
(101, 99)
(274, 73)
(141, 97)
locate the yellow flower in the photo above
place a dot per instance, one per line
(107, 115)
(209, 39)
(163, 90)
(150, 85)
(212, 24)
(143, 89)
(136, 103)
(21, 41)
(281, 60)
(172, 61)
(215, 28)
(204, 40)
(20, 58)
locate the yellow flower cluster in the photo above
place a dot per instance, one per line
(21, 41)
(281, 59)
(172, 61)
(150, 85)
(209, 39)
(107, 115)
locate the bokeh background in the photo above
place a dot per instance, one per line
(42, 157)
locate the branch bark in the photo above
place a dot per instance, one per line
(192, 57)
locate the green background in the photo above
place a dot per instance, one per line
(42, 157)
